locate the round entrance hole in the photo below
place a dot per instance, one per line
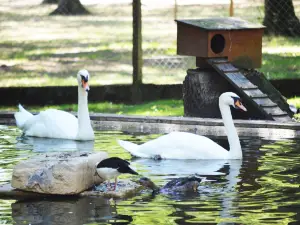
(217, 43)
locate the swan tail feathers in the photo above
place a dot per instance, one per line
(22, 116)
(131, 148)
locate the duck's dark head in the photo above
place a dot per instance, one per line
(146, 182)
(191, 186)
(184, 184)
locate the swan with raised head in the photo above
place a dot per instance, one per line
(183, 145)
(53, 123)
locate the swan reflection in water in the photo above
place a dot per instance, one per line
(53, 145)
(170, 167)
(216, 171)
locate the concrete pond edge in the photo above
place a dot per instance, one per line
(271, 130)
(267, 129)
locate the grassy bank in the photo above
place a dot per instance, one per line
(155, 108)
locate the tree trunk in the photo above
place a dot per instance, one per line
(50, 2)
(137, 52)
(70, 7)
(280, 18)
(201, 91)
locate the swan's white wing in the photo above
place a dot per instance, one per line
(183, 145)
(52, 123)
(22, 116)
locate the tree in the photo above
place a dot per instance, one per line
(280, 18)
(137, 52)
(70, 7)
(50, 2)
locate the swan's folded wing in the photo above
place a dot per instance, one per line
(183, 145)
(52, 123)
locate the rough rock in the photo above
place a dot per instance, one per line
(64, 173)
(125, 189)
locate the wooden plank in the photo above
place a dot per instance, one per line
(255, 93)
(226, 67)
(217, 60)
(274, 110)
(246, 52)
(240, 80)
(282, 118)
(262, 100)
(189, 37)
(265, 102)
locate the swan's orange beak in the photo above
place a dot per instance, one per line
(238, 104)
(85, 85)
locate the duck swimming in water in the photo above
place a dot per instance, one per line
(182, 184)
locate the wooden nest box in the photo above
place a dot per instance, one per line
(237, 40)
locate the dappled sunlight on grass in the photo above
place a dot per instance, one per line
(51, 49)
(281, 57)
(277, 66)
(296, 102)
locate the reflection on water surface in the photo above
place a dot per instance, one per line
(263, 188)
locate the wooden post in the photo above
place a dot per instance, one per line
(231, 12)
(175, 9)
(137, 52)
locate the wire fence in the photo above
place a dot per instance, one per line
(41, 50)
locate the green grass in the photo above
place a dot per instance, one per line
(281, 58)
(155, 108)
(42, 50)
(296, 102)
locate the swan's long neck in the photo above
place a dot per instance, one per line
(84, 123)
(235, 150)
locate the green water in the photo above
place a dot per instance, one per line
(263, 188)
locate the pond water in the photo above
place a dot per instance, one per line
(263, 188)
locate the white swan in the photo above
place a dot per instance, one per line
(183, 145)
(53, 123)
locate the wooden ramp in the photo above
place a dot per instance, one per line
(255, 95)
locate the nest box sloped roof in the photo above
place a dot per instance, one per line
(229, 23)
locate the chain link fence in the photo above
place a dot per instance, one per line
(41, 50)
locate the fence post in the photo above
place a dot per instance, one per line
(231, 12)
(175, 9)
(137, 52)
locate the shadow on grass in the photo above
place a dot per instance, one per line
(16, 72)
(41, 50)
(107, 55)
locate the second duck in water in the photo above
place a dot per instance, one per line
(182, 184)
